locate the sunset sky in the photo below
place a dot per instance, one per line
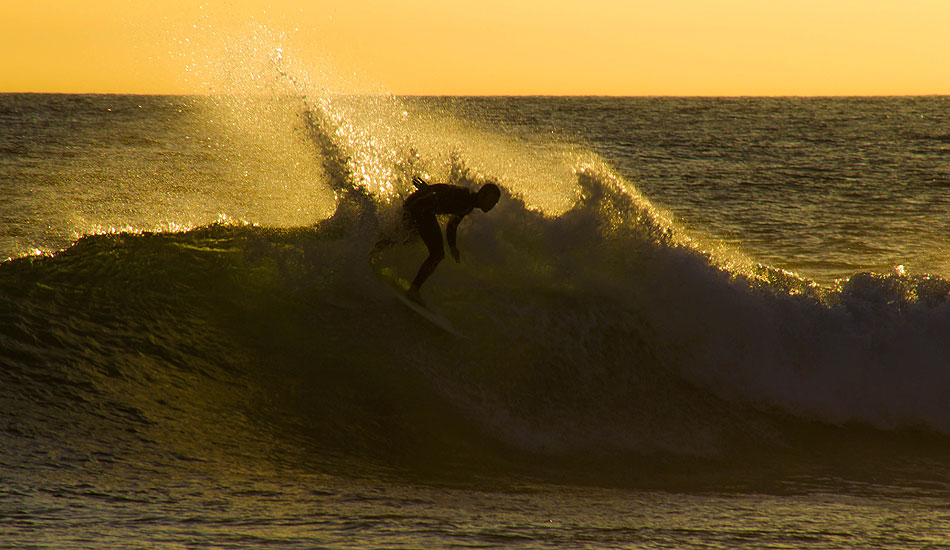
(551, 47)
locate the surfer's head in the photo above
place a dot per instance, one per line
(488, 196)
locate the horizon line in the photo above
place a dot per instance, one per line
(500, 95)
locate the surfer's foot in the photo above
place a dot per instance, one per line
(413, 294)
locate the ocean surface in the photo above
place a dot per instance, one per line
(688, 323)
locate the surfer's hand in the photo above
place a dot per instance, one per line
(455, 253)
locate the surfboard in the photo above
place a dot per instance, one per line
(427, 314)
(437, 320)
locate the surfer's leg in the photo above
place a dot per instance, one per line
(431, 234)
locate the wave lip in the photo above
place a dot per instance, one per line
(597, 332)
(597, 329)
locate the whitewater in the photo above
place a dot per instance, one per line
(690, 323)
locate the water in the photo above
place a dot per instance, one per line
(691, 323)
(826, 187)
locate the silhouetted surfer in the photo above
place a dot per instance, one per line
(428, 201)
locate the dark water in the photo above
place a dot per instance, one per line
(685, 324)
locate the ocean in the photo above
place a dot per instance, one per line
(688, 323)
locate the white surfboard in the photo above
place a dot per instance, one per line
(428, 314)
(439, 321)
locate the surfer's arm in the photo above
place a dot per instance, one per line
(451, 232)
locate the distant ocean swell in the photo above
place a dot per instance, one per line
(601, 331)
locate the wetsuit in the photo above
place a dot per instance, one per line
(422, 207)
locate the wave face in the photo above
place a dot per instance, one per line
(595, 329)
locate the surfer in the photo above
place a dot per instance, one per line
(428, 201)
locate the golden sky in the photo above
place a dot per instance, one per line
(549, 47)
